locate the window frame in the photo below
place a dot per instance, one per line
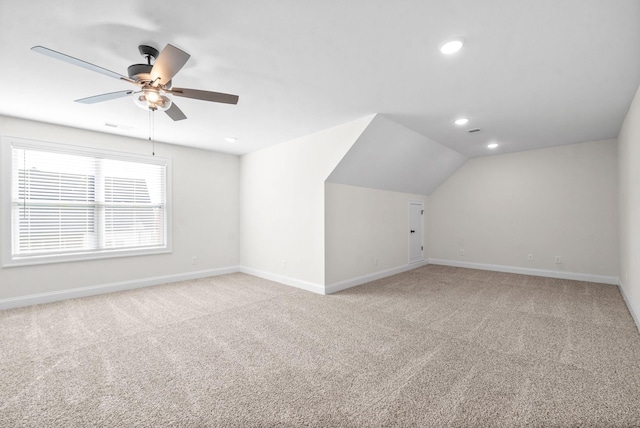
(6, 233)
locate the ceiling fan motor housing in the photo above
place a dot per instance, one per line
(140, 72)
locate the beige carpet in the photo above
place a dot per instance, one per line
(436, 346)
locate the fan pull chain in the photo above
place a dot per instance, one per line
(24, 180)
(152, 137)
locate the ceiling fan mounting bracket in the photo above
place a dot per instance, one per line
(148, 52)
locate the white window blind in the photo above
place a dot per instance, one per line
(69, 202)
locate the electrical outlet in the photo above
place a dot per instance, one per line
(194, 260)
(376, 261)
(530, 257)
(284, 264)
(462, 251)
(558, 260)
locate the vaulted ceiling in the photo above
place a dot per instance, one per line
(531, 73)
(389, 156)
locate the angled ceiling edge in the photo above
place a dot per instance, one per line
(390, 156)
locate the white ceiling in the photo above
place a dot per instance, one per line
(389, 156)
(532, 73)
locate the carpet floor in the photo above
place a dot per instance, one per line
(433, 347)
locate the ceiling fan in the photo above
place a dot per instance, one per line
(153, 80)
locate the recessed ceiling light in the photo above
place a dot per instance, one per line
(492, 145)
(451, 47)
(461, 121)
(231, 139)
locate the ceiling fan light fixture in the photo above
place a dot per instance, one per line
(152, 95)
(451, 47)
(151, 99)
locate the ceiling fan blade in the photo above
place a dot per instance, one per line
(175, 113)
(80, 63)
(216, 97)
(104, 97)
(168, 63)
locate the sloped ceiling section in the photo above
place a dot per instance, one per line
(389, 156)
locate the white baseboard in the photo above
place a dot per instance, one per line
(343, 285)
(633, 313)
(528, 271)
(54, 296)
(286, 280)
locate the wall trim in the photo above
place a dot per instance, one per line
(286, 280)
(343, 285)
(633, 313)
(54, 296)
(529, 271)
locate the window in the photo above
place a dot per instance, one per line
(63, 203)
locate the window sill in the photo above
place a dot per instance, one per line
(80, 257)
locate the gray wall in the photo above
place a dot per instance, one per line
(560, 201)
(205, 218)
(629, 176)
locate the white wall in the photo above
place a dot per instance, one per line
(556, 201)
(205, 217)
(273, 206)
(282, 205)
(629, 185)
(364, 225)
